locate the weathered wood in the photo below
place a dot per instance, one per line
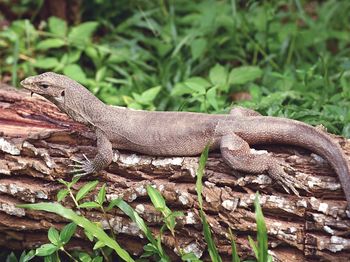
(37, 143)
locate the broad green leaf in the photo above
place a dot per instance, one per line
(75, 72)
(81, 34)
(82, 222)
(113, 203)
(101, 74)
(84, 190)
(89, 205)
(97, 259)
(180, 89)
(67, 232)
(198, 47)
(126, 208)
(156, 198)
(45, 250)
(212, 98)
(149, 95)
(89, 235)
(50, 43)
(53, 236)
(244, 74)
(218, 75)
(197, 84)
(98, 244)
(46, 62)
(84, 257)
(101, 197)
(57, 26)
(190, 257)
(62, 194)
(27, 256)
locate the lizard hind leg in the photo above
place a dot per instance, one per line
(236, 153)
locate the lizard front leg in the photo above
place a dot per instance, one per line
(236, 153)
(102, 159)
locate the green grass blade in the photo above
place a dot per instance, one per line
(235, 257)
(82, 222)
(199, 184)
(262, 231)
(213, 252)
(254, 247)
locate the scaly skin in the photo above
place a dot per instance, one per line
(185, 133)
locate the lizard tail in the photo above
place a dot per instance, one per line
(292, 132)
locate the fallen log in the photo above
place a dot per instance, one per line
(37, 143)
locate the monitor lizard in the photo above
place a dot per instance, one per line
(187, 133)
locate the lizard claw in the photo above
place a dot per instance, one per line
(82, 167)
(284, 175)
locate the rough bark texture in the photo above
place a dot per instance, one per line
(37, 143)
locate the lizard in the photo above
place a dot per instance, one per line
(187, 133)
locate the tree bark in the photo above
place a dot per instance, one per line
(37, 143)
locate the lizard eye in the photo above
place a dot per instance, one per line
(62, 93)
(44, 86)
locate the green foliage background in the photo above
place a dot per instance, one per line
(292, 57)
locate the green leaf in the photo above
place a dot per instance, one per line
(234, 254)
(113, 203)
(82, 222)
(81, 34)
(11, 258)
(84, 257)
(126, 208)
(212, 97)
(156, 198)
(50, 43)
(27, 257)
(98, 244)
(101, 197)
(75, 72)
(149, 95)
(45, 250)
(213, 252)
(262, 231)
(89, 205)
(254, 247)
(244, 74)
(198, 47)
(86, 189)
(54, 236)
(62, 194)
(197, 84)
(57, 26)
(190, 257)
(218, 75)
(200, 172)
(101, 74)
(89, 235)
(97, 259)
(67, 232)
(46, 62)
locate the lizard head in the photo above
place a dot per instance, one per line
(50, 85)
